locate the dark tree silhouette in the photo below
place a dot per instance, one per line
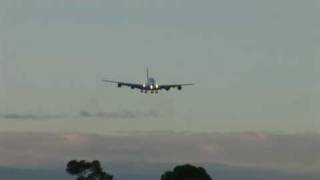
(186, 172)
(87, 170)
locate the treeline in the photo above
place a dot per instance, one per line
(84, 170)
(87, 170)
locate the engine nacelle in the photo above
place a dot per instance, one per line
(179, 88)
(119, 85)
(167, 89)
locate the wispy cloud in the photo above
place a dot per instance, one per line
(82, 114)
(17, 116)
(118, 115)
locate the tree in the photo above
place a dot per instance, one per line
(87, 170)
(186, 172)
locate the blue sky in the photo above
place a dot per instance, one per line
(255, 65)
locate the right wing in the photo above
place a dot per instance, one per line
(179, 86)
(131, 85)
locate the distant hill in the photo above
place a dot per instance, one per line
(31, 174)
(152, 171)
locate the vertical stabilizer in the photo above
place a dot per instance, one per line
(147, 74)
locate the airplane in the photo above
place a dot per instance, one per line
(150, 85)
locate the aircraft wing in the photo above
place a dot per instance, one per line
(179, 86)
(131, 85)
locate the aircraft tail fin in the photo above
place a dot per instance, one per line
(147, 73)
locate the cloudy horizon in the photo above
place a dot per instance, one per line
(296, 153)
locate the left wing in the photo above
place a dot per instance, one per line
(131, 85)
(178, 86)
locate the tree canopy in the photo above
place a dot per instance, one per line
(186, 172)
(87, 170)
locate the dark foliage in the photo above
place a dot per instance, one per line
(186, 172)
(87, 170)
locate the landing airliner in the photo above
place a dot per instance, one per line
(150, 85)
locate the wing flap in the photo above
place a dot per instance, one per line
(168, 86)
(131, 85)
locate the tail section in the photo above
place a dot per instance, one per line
(147, 73)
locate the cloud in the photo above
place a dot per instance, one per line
(83, 114)
(118, 115)
(291, 152)
(17, 116)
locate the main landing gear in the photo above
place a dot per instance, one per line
(152, 91)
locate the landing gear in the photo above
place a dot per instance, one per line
(154, 92)
(151, 91)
